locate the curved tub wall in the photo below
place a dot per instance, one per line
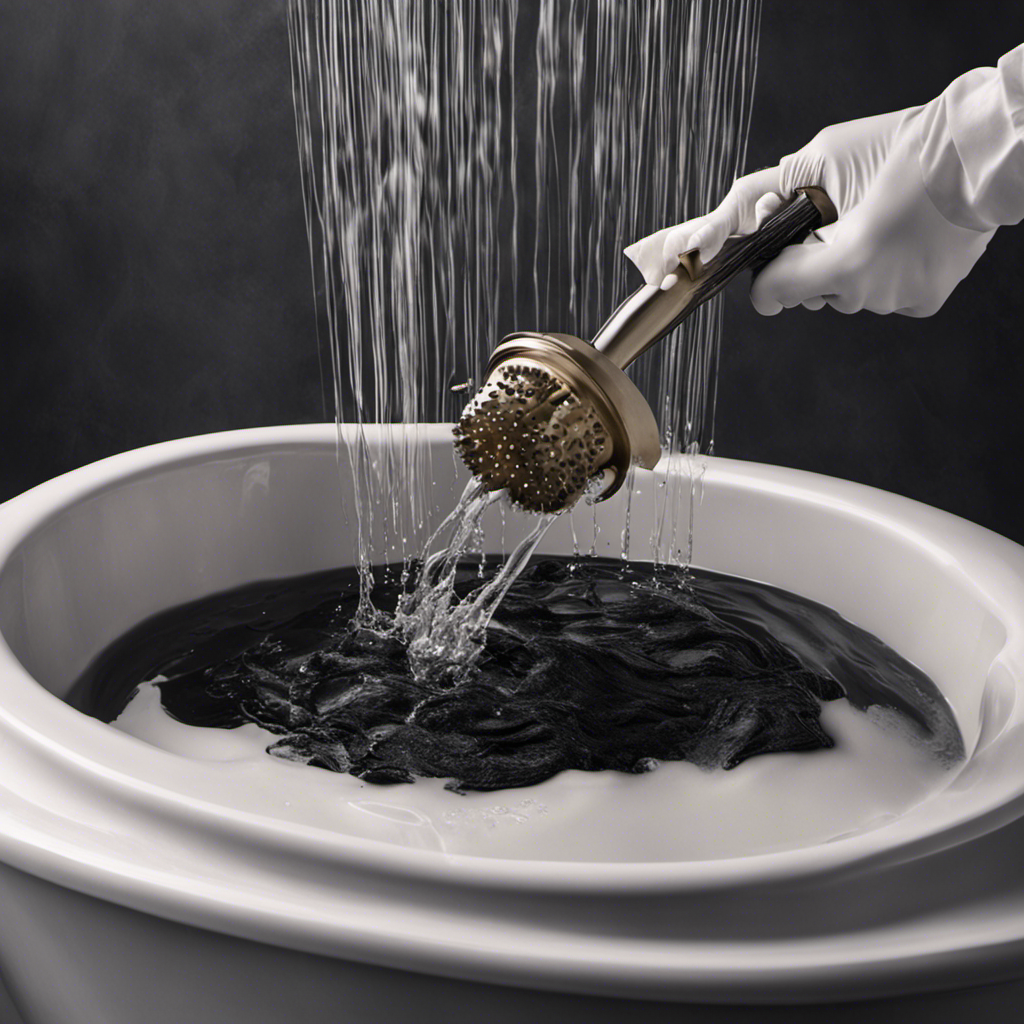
(164, 538)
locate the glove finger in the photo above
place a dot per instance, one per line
(928, 309)
(677, 241)
(766, 206)
(646, 254)
(736, 214)
(815, 303)
(845, 303)
(798, 274)
(657, 255)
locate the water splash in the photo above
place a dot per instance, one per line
(439, 629)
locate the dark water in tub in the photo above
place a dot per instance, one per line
(590, 664)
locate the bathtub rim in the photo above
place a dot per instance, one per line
(87, 746)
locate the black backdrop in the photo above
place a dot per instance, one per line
(154, 276)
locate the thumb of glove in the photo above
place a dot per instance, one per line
(657, 255)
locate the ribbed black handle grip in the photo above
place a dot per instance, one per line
(786, 226)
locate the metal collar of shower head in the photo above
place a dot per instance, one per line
(593, 378)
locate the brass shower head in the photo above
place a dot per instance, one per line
(555, 413)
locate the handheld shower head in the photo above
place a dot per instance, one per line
(554, 412)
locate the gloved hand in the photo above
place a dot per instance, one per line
(891, 250)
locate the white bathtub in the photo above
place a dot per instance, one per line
(129, 897)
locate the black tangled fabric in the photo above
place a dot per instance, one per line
(588, 665)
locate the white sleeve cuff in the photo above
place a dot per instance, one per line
(972, 153)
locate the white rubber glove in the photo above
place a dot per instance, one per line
(892, 250)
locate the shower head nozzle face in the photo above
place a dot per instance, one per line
(553, 415)
(528, 431)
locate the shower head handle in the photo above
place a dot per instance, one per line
(556, 413)
(651, 312)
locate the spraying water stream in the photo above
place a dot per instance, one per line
(476, 167)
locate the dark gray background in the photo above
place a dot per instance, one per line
(154, 277)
